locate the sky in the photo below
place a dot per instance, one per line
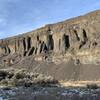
(20, 16)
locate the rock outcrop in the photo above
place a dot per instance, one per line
(77, 38)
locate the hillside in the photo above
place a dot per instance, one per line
(68, 50)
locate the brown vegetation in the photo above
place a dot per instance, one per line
(22, 78)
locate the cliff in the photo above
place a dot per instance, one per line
(76, 39)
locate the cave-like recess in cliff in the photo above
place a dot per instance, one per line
(85, 35)
(50, 42)
(29, 42)
(66, 40)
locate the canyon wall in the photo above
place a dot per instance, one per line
(77, 38)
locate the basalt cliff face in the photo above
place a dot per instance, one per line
(76, 40)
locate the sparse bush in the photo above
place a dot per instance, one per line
(3, 74)
(20, 75)
(10, 75)
(34, 75)
(44, 80)
(92, 86)
(4, 82)
(22, 78)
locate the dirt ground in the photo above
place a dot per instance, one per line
(62, 72)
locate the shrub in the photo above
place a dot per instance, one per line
(3, 74)
(92, 86)
(21, 74)
(10, 75)
(4, 82)
(22, 78)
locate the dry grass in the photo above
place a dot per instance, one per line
(88, 84)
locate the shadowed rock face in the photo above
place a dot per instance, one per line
(77, 38)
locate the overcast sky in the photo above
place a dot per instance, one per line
(18, 16)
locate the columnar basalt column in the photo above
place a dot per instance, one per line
(57, 42)
(21, 47)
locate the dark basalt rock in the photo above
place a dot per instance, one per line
(59, 37)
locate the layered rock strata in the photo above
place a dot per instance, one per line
(77, 38)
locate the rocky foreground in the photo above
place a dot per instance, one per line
(49, 93)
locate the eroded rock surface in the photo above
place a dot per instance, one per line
(76, 39)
